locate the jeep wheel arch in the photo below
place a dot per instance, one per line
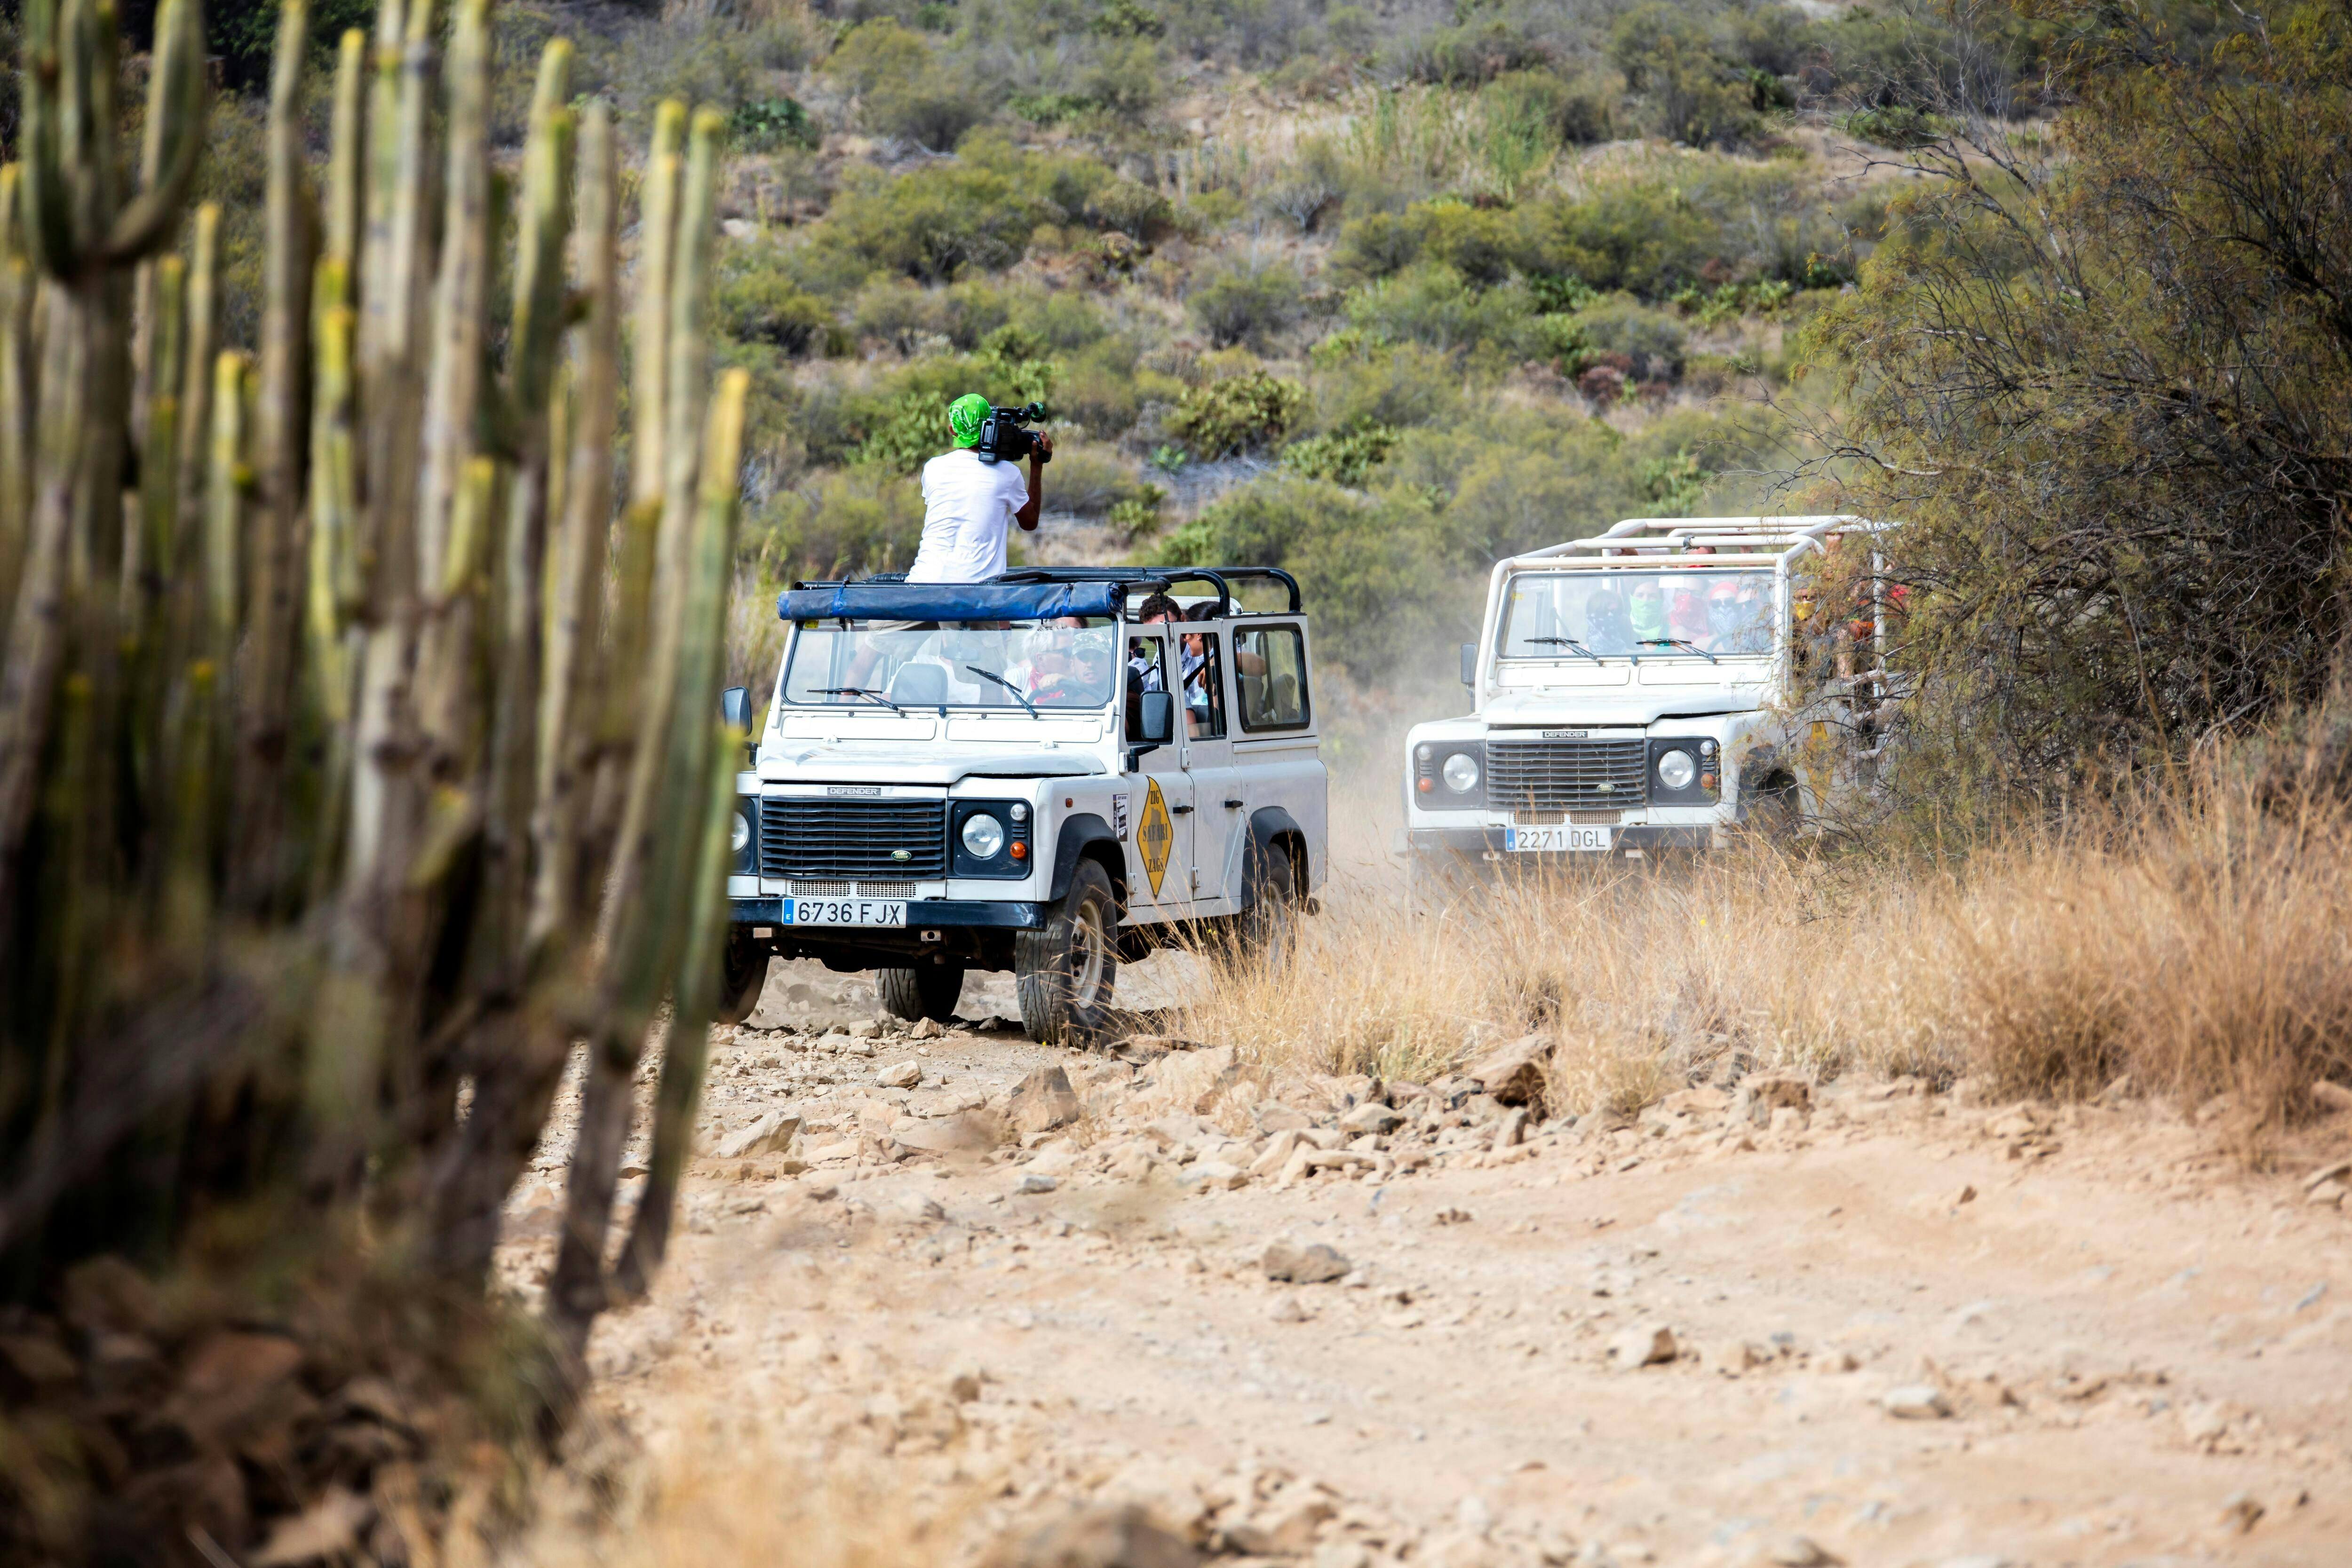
(1087, 836)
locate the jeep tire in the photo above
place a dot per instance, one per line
(1066, 969)
(1271, 921)
(742, 976)
(924, 991)
(1775, 813)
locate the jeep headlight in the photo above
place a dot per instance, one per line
(983, 836)
(1675, 769)
(739, 833)
(1460, 772)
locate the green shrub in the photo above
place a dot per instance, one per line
(770, 124)
(1246, 301)
(1343, 457)
(1433, 304)
(900, 312)
(1652, 340)
(1690, 93)
(1126, 19)
(908, 431)
(861, 521)
(1572, 113)
(1467, 56)
(1897, 125)
(1395, 385)
(1131, 208)
(1240, 413)
(932, 223)
(1128, 81)
(1090, 480)
(759, 304)
(1381, 244)
(1138, 517)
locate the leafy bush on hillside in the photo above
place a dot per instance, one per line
(1246, 301)
(1687, 90)
(1652, 232)
(1431, 304)
(931, 225)
(1240, 413)
(770, 124)
(1344, 456)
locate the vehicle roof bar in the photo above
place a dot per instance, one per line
(1128, 577)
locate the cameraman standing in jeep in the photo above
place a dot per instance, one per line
(969, 497)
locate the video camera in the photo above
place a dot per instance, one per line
(1005, 435)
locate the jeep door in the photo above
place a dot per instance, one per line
(1221, 825)
(1159, 809)
(1275, 754)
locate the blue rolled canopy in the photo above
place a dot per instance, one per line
(950, 600)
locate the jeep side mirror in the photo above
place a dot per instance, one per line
(735, 709)
(1156, 718)
(1469, 663)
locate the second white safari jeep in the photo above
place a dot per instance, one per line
(1020, 774)
(1656, 687)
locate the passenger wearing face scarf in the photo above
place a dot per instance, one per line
(1649, 613)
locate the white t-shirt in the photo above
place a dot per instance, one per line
(967, 505)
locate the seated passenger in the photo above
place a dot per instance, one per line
(1686, 616)
(1649, 612)
(1606, 629)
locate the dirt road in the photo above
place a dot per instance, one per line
(1898, 1328)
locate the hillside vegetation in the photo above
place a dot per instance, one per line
(1379, 294)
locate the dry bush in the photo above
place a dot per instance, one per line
(2197, 942)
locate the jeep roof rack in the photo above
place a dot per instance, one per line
(1221, 578)
(1163, 578)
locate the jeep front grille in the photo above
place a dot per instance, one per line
(1567, 775)
(847, 840)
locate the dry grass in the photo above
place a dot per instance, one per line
(2199, 947)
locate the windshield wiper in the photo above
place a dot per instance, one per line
(1008, 685)
(1679, 642)
(1566, 642)
(866, 692)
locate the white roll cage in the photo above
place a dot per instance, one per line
(1775, 542)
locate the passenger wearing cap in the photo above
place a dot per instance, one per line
(967, 503)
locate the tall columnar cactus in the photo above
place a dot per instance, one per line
(338, 802)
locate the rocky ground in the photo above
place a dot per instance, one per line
(977, 1286)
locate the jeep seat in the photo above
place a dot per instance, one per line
(919, 685)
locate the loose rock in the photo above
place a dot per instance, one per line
(1513, 1072)
(1632, 1349)
(1042, 1102)
(1122, 1537)
(771, 1134)
(1371, 1116)
(1031, 1182)
(1315, 1265)
(1915, 1402)
(900, 1076)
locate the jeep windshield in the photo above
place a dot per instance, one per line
(1023, 665)
(1689, 612)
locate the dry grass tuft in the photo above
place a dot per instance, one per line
(2199, 945)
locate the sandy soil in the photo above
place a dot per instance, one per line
(2144, 1351)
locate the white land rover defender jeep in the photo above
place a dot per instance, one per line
(1020, 774)
(1653, 688)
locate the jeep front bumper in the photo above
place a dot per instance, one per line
(1485, 840)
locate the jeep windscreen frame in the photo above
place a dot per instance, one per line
(1696, 614)
(1069, 665)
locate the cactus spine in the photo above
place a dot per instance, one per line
(333, 775)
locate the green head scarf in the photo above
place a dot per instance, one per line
(965, 416)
